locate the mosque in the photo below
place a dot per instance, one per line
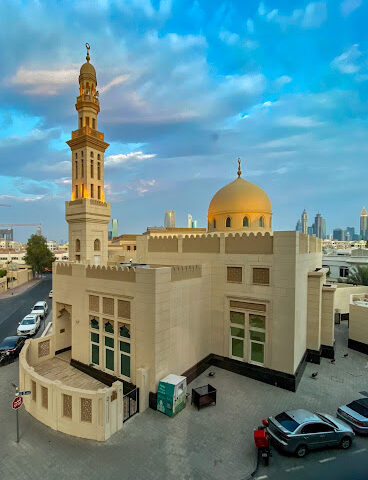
(241, 297)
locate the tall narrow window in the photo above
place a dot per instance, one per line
(92, 191)
(98, 171)
(87, 121)
(76, 191)
(80, 122)
(237, 334)
(77, 245)
(109, 353)
(125, 358)
(228, 222)
(91, 155)
(98, 156)
(97, 245)
(82, 193)
(82, 168)
(245, 222)
(99, 192)
(91, 168)
(214, 224)
(95, 348)
(94, 123)
(76, 169)
(261, 222)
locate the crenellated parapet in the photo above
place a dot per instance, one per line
(250, 243)
(185, 272)
(63, 268)
(122, 274)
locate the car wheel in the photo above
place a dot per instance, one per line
(346, 443)
(301, 451)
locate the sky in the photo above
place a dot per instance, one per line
(185, 88)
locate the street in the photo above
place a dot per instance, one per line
(14, 309)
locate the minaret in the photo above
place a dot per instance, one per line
(364, 224)
(304, 221)
(87, 213)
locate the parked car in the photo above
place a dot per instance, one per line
(298, 431)
(50, 294)
(10, 348)
(47, 270)
(40, 308)
(355, 414)
(29, 325)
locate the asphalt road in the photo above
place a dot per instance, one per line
(14, 309)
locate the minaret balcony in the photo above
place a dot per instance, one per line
(88, 98)
(87, 131)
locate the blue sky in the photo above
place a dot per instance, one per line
(185, 88)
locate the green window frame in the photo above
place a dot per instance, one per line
(109, 359)
(95, 337)
(237, 347)
(124, 330)
(125, 365)
(95, 348)
(125, 347)
(94, 323)
(237, 332)
(257, 321)
(109, 327)
(257, 346)
(109, 342)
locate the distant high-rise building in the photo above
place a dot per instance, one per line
(304, 222)
(114, 228)
(194, 224)
(311, 230)
(109, 235)
(350, 231)
(319, 226)
(298, 227)
(7, 234)
(364, 224)
(339, 234)
(190, 220)
(169, 219)
(39, 231)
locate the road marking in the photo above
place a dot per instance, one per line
(292, 469)
(359, 451)
(260, 478)
(327, 459)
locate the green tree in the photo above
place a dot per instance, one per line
(358, 275)
(38, 256)
(2, 273)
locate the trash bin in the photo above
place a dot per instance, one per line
(171, 394)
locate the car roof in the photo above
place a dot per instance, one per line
(40, 303)
(302, 416)
(8, 339)
(31, 316)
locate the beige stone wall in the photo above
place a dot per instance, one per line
(3, 284)
(20, 276)
(358, 323)
(327, 316)
(342, 296)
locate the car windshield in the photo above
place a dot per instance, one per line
(8, 343)
(37, 307)
(287, 422)
(28, 321)
(360, 406)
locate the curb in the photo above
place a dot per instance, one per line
(19, 293)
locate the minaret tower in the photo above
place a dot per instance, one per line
(87, 213)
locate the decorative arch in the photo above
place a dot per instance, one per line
(77, 245)
(245, 222)
(261, 221)
(97, 245)
(228, 222)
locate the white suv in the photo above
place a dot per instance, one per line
(29, 325)
(41, 309)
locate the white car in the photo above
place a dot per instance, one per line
(40, 308)
(29, 325)
(50, 294)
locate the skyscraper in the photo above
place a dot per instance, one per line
(350, 232)
(195, 224)
(339, 234)
(364, 224)
(114, 228)
(298, 227)
(319, 226)
(304, 222)
(190, 220)
(169, 219)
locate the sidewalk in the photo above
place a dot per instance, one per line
(13, 292)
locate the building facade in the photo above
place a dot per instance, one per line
(364, 224)
(169, 221)
(239, 295)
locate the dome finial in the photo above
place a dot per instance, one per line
(239, 171)
(87, 47)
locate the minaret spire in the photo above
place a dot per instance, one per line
(88, 48)
(239, 171)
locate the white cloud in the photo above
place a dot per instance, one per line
(42, 82)
(348, 6)
(230, 38)
(298, 121)
(314, 14)
(115, 81)
(250, 26)
(283, 80)
(347, 61)
(124, 158)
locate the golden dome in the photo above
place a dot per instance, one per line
(240, 196)
(88, 68)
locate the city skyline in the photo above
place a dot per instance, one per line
(196, 86)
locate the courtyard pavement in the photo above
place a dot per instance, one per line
(214, 443)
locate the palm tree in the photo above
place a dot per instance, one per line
(358, 275)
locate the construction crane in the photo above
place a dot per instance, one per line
(11, 225)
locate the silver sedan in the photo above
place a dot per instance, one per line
(298, 431)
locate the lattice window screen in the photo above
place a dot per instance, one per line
(261, 276)
(45, 397)
(86, 410)
(234, 274)
(108, 305)
(123, 309)
(94, 302)
(67, 406)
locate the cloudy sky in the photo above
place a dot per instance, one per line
(187, 86)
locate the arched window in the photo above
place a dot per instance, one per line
(98, 156)
(245, 222)
(228, 222)
(77, 245)
(91, 168)
(97, 245)
(261, 222)
(92, 154)
(214, 224)
(76, 169)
